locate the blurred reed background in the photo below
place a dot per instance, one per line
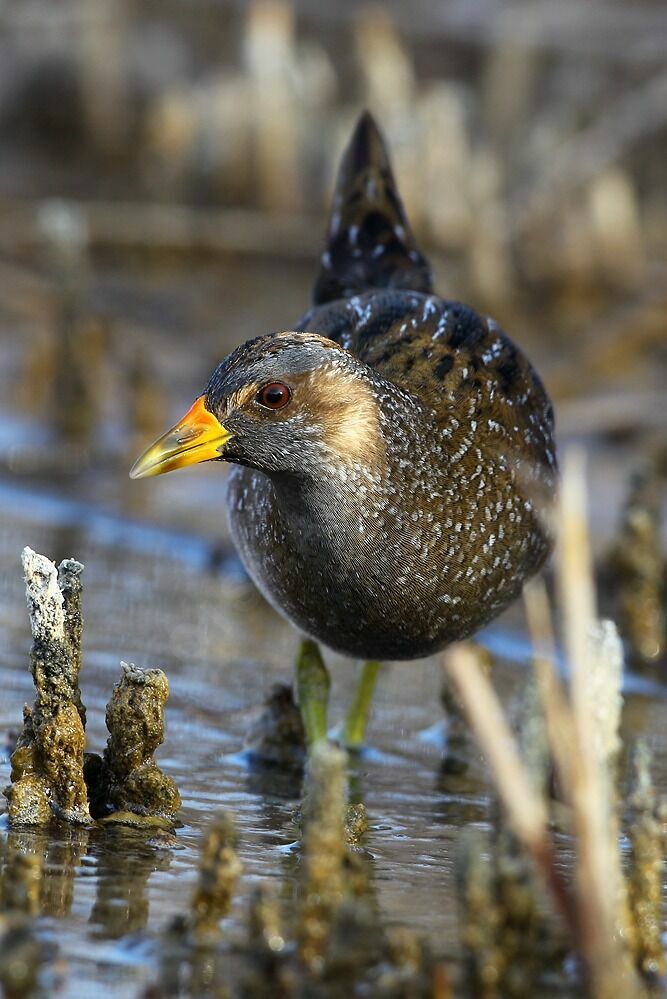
(198, 141)
(527, 136)
(165, 170)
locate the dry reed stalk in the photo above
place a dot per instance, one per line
(599, 883)
(583, 735)
(553, 700)
(525, 808)
(565, 744)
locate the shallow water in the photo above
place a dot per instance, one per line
(162, 587)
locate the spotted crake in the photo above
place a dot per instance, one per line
(393, 454)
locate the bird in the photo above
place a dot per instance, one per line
(393, 457)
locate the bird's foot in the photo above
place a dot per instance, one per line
(312, 684)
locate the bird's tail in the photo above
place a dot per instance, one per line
(369, 242)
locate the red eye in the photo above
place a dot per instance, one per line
(275, 395)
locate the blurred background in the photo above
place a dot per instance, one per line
(165, 172)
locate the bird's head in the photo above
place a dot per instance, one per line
(285, 402)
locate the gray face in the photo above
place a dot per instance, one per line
(312, 382)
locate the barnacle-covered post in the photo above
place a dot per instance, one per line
(264, 973)
(521, 937)
(135, 719)
(646, 871)
(324, 849)
(192, 961)
(219, 870)
(479, 915)
(278, 735)
(51, 776)
(409, 968)
(502, 933)
(638, 571)
(69, 581)
(47, 764)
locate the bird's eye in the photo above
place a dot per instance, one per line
(275, 395)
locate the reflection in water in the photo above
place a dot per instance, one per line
(126, 858)
(60, 850)
(20, 878)
(275, 789)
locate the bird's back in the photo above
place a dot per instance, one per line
(374, 296)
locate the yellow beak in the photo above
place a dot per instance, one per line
(199, 436)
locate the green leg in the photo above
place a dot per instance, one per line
(312, 684)
(354, 729)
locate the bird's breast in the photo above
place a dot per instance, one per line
(370, 578)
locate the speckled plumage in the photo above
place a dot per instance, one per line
(397, 503)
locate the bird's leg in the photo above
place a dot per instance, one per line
(312, 684)
(354, 728)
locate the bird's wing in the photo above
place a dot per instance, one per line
(461, 366)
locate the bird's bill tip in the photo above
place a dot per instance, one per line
(199, 436)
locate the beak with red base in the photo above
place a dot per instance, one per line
(199, 436)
